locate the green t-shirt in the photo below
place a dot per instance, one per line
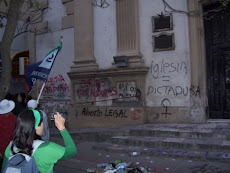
(48, 153)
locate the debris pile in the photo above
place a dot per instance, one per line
(119, 167)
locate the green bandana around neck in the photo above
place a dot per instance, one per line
(37, 117)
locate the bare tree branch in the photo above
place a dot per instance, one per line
(101, 3)
(32, 13)
(190, 13)
(224, 6)
(12, 18)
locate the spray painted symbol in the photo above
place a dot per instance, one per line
(166, 102)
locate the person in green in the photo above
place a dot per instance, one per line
(29, 127)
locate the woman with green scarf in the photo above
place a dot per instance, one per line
(29, 128)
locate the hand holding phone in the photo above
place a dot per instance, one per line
(59, 121)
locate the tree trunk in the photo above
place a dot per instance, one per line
(12, 19)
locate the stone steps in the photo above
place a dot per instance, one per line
(205, 134)
(92, 135)
(199, 131)
(222, 157)
(174, 143)
(209, 141)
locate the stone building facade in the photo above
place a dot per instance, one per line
(133, 62)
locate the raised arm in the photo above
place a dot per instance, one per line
(70, 147)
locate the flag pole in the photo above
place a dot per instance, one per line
(41, 91)
(61, 40)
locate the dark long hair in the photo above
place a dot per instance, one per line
(24, 133)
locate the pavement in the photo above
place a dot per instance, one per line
(88, 158)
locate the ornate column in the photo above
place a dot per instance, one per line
(198, 61)
(197, 46)
(128, 41)
(84, 36)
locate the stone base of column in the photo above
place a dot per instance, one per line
(86, 65)
(108, 90)
(133, 61)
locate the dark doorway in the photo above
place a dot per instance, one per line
(217, 40)
(19, 61)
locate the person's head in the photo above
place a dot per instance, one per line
(28, 98)
(29, 124)
(33, 104)
(9, 96)
(6, 106)
(18, 98)
(23, 95)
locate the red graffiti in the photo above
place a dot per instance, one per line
(95, 88)
(90, 83)
(56, 79)
(90, 92)
(53, 89)
(137, 115)
(55, 84)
